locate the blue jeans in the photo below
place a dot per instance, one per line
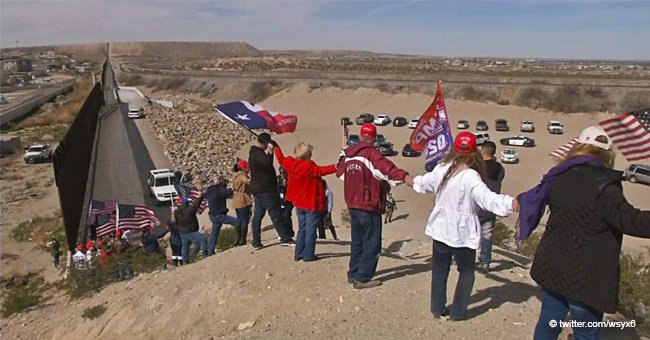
(487, 227)
(555, 307)
(464, 257)
(306, 241)
(244, 216)
(365, 247)
(268, 201)
(217, 222)
(198, 240)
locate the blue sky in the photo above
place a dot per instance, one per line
(549, 29)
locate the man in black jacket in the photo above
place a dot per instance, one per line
(188, 227)
(264, 187)
(495, 173)
(217, 195)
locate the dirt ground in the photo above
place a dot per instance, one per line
(246, 294)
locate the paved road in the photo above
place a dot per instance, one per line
(123, 161)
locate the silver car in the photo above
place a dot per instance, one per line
(638, 173)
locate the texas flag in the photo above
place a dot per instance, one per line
(253, 116)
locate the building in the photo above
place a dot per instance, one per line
(17, 65)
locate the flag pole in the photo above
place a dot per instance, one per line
(117, 217)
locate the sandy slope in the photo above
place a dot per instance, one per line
(268, 295)
(319, 112)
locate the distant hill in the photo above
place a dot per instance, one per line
(184, 49)
(94, 51)
(159, 49)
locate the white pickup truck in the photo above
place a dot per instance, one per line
(135, 111)
(555, 127)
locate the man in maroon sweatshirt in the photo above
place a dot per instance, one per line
(367, 176)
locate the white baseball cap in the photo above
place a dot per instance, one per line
(589, 135)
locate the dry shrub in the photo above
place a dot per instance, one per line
(94, 312)
(170, 83)
(634, 100)
(634, 292)
(570, 98)
(259, 91)
(20, 293)
(39, 230)
(383, 87)
(532, 97)
(502, 235)
(65, 113)
(473, 94)
(131, 79)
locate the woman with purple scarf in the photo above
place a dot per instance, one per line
(577, 260)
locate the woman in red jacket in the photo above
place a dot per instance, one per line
(306, 191)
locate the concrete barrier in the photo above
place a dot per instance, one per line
(30, 105)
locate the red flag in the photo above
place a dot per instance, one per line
(433, 132)
(629, 132)
(279, 123)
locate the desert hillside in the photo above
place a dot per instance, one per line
(184, 49)
(153, 49)
(245, 294)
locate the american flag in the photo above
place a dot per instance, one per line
(629, 132)
(101, 207)
(560, 153)
(191, 193)
(105, 224)
(129, 217)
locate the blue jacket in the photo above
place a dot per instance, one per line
(217, 195)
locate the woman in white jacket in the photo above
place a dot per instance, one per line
(453, 224)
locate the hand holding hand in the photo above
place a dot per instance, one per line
(515, 205)
(408, 180)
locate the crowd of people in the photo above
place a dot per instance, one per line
(576, 263)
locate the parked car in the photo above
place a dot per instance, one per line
(638, 173)
(501, 125)
(413, 123)
(509, 156)
(364, 118)
(345, 121)
(481, 125)
(482, 138)
(37, 153)
(407, 151)
(382, 120)
(462, 124)
(135, 112)
(380, 139)
(161, 185)
(555, 127)
(400, 121)
(353, 139)
(518, 141)
(527, 126)
(385, 149)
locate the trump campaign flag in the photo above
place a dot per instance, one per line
(432, 133)
(253, 116)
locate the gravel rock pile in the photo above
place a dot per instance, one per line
(201, 143)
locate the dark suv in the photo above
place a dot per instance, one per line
(481, 125)
(501, 125)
